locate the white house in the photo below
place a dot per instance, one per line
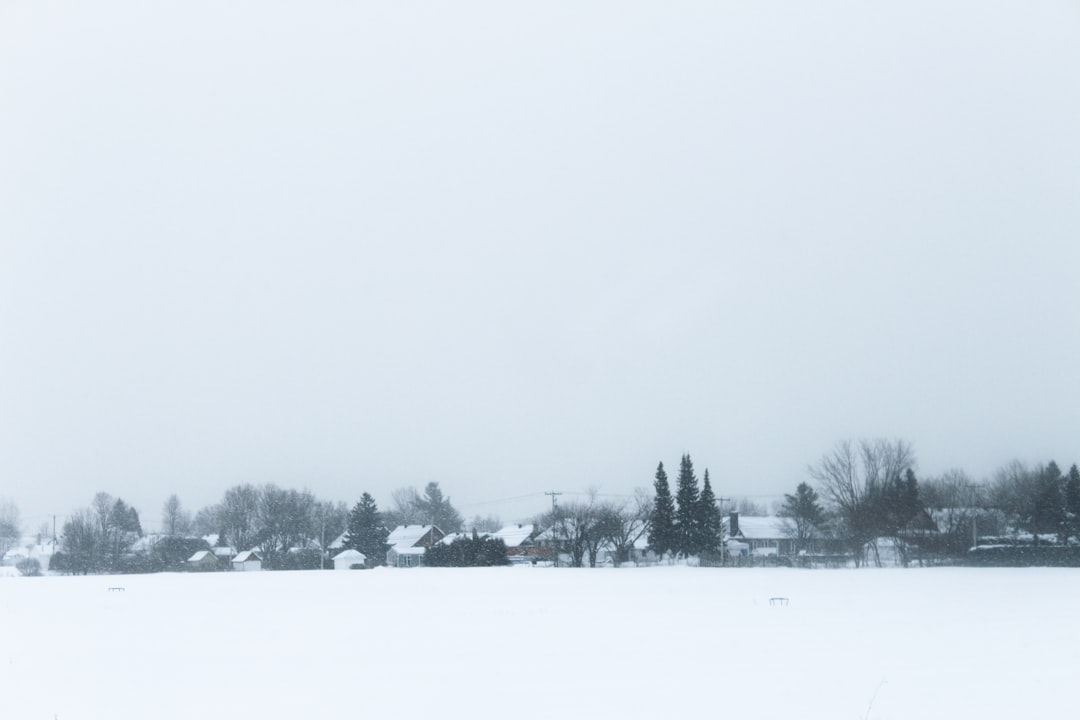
(408, 542)
(349, 559)
(247, 561)
(762, 536)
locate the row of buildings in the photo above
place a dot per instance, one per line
(525, 543)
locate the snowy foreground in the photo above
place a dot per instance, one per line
(670, 642)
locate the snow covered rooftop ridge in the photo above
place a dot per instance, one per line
(246, 555)
(350, 553)
(761, 527)
(514, 535)
(465, 534)
(408, 535)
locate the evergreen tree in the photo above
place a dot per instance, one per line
(1047, 514)
(662, 518)
(366, 532)
(899, 504)
(806, 514)
(710, 522)
(122, 529)
(435, 509)
(1072, 504)
(472, 551)
(687, 495)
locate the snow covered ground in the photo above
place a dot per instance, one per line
(668, 642)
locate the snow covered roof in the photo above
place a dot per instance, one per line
(246, 556)
(405, 536)
(28, 548)
(199, 556)
(514, 535)
(350, 554)
(339, 543)
(145, 543)
(409, 550)
(456, 536)
(761, 528)
(16, 553)
(226, 552)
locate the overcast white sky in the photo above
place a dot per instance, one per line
(517, 247)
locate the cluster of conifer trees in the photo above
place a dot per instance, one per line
(690, 524)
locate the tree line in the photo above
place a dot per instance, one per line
(858, 492)
(291, 528)
(868, 490)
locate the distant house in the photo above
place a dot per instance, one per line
(408, 543)
(449, 539)
(338, 543)
(522, 545)
(247, 561)
(761, 535)
(29, 548)
(204, 560)
(350, 560)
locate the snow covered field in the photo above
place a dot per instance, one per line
(668, 642)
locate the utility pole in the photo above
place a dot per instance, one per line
(720, 501)
(554, 545)
(553, 495)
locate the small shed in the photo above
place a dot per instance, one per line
(247, 561)
(204, 560)
(350, 560)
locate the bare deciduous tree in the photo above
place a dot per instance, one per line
(621, 525)
(82, 542)
(175, 521)
(286, 520)
(405, 510)
(489, 523)
(10, 530)
(748, 508)
(958, 508)
(238, 516)
(855, 478)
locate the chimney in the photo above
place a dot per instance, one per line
(733, 524)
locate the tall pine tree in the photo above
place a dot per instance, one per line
(710, 522)
(366, 532)
(1048, 512)
(687, 495)
(1072, 503)
(662, 518)
(806, 514)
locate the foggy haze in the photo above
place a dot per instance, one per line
(525, 248)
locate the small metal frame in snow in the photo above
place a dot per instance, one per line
(778, 601)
